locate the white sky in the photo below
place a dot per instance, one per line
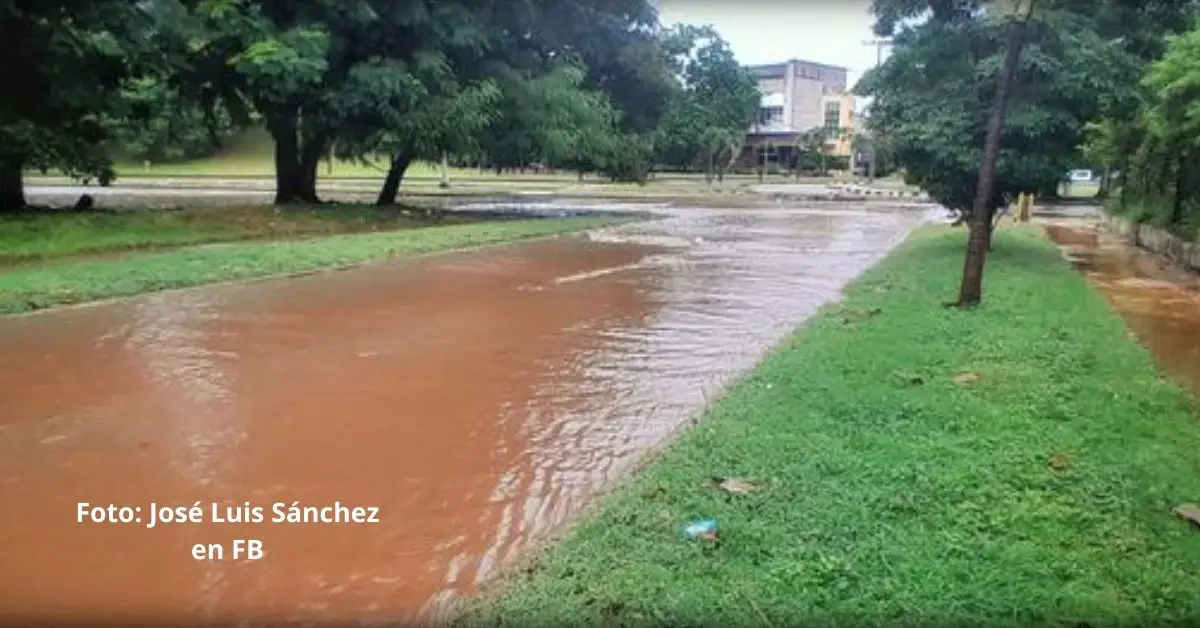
(771, 31)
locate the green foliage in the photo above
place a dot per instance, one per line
(888, 490)
(933, 96)
(554, 119)
(1160, 151)
(718, 101)
(587, 87)
(64, 64)
(160, 124)
(814, 152)
(438, 115)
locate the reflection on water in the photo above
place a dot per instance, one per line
(167, 338)
(1159, 302)
(477, 399)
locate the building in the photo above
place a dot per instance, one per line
(798, 96)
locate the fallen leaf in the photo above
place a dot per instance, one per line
(735, 486)
(1060, 462)
(1190, 513)
(966, 377)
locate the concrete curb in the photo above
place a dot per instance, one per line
(1155, 240)
(881, 193)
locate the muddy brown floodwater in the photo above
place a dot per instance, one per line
(1159, 302)
(476, 399)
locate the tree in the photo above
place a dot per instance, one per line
(1162, 181)
(813, 149)
(935, 96)
(537, 117)
(440, 116)
(309, 68)
(159, 123)
(971, 290)
(627, 85)
(717, 103)
(64, 64)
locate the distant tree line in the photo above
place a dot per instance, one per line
(589, 85)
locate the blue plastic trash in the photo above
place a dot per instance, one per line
(702, 530)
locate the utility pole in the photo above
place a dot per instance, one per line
(879, 44)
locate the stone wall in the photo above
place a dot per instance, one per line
(1158, 241)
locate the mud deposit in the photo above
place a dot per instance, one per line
(476, 399)
(1160, 302)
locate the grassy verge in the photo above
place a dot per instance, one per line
(49, 235)
(29, 288)
(916, 465)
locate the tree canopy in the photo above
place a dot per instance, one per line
(1044, 89)
(64, 66)
(589, 85)
(716, 104)
(933, 95)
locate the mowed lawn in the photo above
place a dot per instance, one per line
(65, 281)
(40, 236)
(915, 465)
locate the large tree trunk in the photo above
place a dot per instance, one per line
(296, 162)
(310, 161)
(971, 291)
(391, 185)
(12, 184)
(287, 157)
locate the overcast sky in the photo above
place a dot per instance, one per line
(770, 31)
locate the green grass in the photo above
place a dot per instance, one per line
(1042, 493)
(43, 236)
(64, 282)
(250, 154)
(49, 235)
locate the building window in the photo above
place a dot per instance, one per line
(769, 115)
(833, 119)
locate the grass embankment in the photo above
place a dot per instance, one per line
(66, 281)
(1014, 465)
(48, 235)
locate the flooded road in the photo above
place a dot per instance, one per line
(475, 399)
(1159, 301)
